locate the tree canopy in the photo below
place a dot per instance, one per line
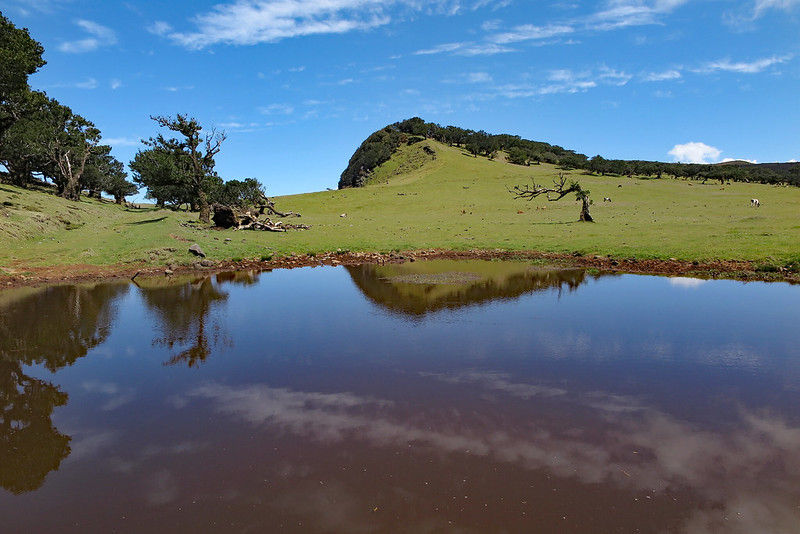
(43, 140)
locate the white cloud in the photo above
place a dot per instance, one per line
(762, 6)
(726, 65)
(277, 109)
(100, 36)
(249, 22)
(695, 152)
(484, 49)
(159, 27)
(726, 160)
(466, 49)
(440, 49)
(116, 83)
(121, 141)
(625, 13)
(176, 88)
(479, 77)
(613, 76)
(666, 75)
(689, 283)
(529, 32)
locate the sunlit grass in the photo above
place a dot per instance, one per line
(454, 202)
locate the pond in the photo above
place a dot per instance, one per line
(433, 396)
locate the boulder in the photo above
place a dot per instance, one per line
(197, 251)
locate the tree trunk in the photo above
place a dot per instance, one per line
(585, 215)
(205, 209)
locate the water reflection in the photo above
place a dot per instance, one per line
(183, 308)
(418, 288)
(51, 327)
(743, 477)
(631, 403)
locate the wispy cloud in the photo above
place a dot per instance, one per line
(121, 141)
(159, 27)
(115, 84)
(249, 22)
(613, 76)
(479, 77)
(528, 32)
(744, 67)
(100, 36)
(466, 49)
(277, 109)
(626, 13)
(662, 76)
(88, 83)
(745, 15)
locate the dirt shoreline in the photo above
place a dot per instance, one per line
(721, 269)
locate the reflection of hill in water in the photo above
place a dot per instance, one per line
(422, 287)
(52, 327)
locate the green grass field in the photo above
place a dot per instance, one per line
(455, 201)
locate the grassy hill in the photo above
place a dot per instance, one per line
(451, 200)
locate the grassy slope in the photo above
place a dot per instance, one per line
(455, 201)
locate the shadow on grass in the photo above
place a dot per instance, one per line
(148, 221)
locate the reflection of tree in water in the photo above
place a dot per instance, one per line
(183, 312)
(424, 287)
(51, 327)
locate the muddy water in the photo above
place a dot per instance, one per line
(425, 397)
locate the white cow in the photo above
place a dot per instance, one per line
(754, 203)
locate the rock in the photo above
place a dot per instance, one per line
(343, 215)
(168, 272)
(224, 216)
(227, 239)
(197, 251)
(207, 263)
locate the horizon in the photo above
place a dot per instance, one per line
(298, 85)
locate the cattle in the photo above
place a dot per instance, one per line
(606, 199)
(754, 203)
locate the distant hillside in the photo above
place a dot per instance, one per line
(380, 146)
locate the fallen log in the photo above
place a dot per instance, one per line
(228, 217)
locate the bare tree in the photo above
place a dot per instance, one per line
(200, 150)
(559, 190)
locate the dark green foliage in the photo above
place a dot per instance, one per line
(193, 153)
(20, 56)
(380, 146)
(377, 149)
(43, 139)
(237, 193)
(165, 177)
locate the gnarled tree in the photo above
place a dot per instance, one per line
(556, 192)
(198, 149)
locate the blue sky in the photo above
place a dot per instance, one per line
(298, 84)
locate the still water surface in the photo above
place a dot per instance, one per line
(425, 397)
